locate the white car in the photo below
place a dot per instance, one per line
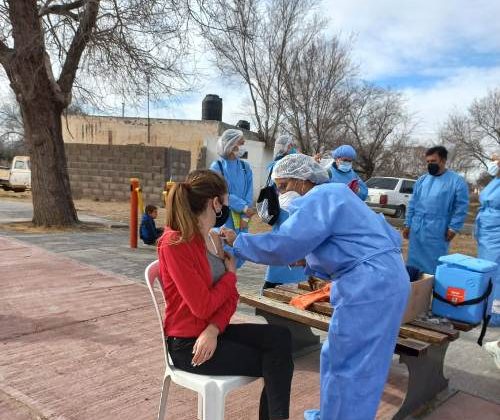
(390, 195)
(16, 177)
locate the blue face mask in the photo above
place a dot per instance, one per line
(493, 168)
(344, 166)
(292, 151)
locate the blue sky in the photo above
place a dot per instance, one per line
(441, 54)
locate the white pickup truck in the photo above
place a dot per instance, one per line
(390, 195)
(17, 177)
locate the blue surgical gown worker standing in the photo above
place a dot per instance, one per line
(436, 212)
(341, 170)
(343, 240)
(238, 175)
(487, 229)
(283, 274)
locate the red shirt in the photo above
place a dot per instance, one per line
(193, 301)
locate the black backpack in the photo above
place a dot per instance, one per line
(268, 205)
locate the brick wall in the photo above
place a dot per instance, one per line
(103, 171)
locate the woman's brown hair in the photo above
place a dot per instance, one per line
(187, 200)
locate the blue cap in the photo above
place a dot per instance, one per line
(344, 151)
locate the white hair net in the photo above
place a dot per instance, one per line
(227, 141)
(300, 166)
(281, 145)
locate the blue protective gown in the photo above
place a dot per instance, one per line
(239, 178)
(487, 233)
(438, 203)
(342, 239)
(346, 177)
(284, 273)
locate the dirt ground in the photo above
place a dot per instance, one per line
(120, 212)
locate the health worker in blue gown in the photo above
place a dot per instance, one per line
(283, 274)
(238, 175)
(343, 240)
(487, 229)
(341, 170)
(436, 212)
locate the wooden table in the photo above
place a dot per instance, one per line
(421, 345)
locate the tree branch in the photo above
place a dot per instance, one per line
(62, 9)
(5, 52)
(80, 40)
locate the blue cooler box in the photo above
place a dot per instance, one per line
(460, 278)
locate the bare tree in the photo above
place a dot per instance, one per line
(49, 47)
(316, 96)
(251, 41)
(403, 159)
(475, 134)
(11, 124)
(375, 123)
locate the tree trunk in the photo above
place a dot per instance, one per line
(41, 102)
(52, 201)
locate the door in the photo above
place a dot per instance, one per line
(406, 191)
(20, 174)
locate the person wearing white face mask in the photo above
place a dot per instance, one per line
(487, 231)
(341, 170)
(342, 240)
(239, 178)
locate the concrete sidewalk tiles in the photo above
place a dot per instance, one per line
(80, 343)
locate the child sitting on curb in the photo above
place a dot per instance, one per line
(149, 232)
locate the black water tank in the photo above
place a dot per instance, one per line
(211, 108)
(243, 124)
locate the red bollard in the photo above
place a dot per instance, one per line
(134, 184)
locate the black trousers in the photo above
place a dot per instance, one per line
(248, 350)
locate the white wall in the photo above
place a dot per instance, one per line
(258, 158)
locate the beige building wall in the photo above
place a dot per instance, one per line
(189, 135)
(181, 134)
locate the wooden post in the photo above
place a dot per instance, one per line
(134, 184)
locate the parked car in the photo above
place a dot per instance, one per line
(390, 195)
(17, 177)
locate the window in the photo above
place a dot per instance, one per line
(19, 165)
(382, 183)
(407, 187)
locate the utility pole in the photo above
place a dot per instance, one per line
(149, 125)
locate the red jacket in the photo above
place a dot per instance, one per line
(192, 300)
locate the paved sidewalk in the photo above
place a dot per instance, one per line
(80, 340)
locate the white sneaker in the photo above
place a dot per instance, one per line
(492, 348)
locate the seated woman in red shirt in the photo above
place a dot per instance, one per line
(199, 282)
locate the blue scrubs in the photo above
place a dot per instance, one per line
(343, 240)
(239, 178)
(438, 203)
(346, 177)
(487, 233)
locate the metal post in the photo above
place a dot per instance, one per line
(134, 184)
(149, 125)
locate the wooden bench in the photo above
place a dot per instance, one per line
(421, 346)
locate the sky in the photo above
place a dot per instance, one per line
(440, 53)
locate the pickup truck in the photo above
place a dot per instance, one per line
(390, 195)
(17, 177)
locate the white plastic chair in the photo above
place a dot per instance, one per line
(211, 390)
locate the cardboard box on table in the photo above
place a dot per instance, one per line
(420, 298)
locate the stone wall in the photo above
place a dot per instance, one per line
(103, 171)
